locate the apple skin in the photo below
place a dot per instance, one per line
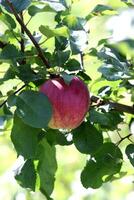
(70, 103)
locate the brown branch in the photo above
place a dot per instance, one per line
(40, 52)
(22, 32)
(22, 43)
(117, 106)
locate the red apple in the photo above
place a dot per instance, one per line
(70, 103)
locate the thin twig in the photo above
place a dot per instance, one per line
(122, 139)
(40, 52)
(15, 36)
(29, 20)
(82, 60)
(119, 134)
(4, 102)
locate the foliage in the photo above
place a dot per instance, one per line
(29, 57)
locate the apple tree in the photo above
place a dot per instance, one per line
(45, 70)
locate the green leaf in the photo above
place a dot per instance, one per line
(86, 78)
(34, 109)
(47, 166)
(26, 74)
(49, 33)
(57, 6)
(11, 101)
(108, 120)
(27, 176)
(55, 137)
(78, 35)
(104, 91)
(87, 138)
(130, 153)
(78, 41)
(91, 175)
(9, 52)
(74, 23)
(8, 20)
(33, 10)
(24, 138)
(61, 43)
(111, 154)
(114, 67)
(72, 65)
(10, 74)
(101, 8)
(107, 161)
(61, 57)
(67, 77)
(111, 73)
(19, 5)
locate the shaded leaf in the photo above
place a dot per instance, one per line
(26, 74)
(47, 166)
(61, 57)
(91, 175)
(86, 78)
(61, 43)
(130, 153)
(106, 162)
(108, 120)
(114, 67)
(55, 137)
(87, 138)
(72, 65)
(19, 5)
(24, 138)
(67, 77)
(34, 109)
(12, 99)
(104, 91)
(27, 175)
(9, 52)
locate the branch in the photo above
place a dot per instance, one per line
(2, 45)
(122, 139)
(13, 93)
(22, 43)
(40, 52)
(117, 106)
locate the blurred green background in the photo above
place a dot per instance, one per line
(70, 161)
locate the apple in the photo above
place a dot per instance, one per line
(70, 102)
